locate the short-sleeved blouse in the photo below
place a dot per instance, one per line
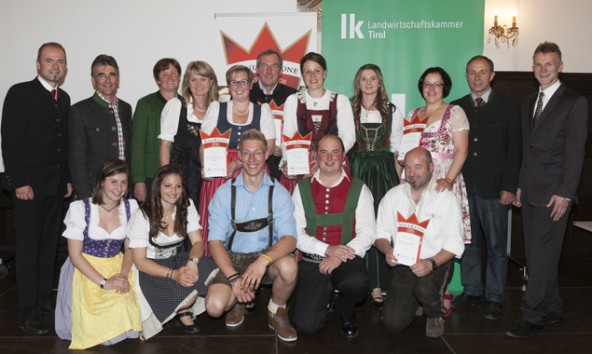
(169, 118)
(139, 228)
(75, 223)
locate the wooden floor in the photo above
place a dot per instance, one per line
(466, 331)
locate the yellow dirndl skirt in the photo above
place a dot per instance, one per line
(99, 315)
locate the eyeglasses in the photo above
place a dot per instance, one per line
(436, 85)
(245, 154)
(238, 82)
(103, 76)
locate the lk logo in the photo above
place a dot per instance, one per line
(354, 27)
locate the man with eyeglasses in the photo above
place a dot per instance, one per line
(269, 90)
(99, 127)
(491, 176)
(335, 223)
(35, 152)
(252, 234)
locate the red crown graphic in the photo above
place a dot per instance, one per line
(215, 134)
(412, 220)
(235, 53)
(415, 125)
(298, 137)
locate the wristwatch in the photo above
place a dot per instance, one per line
(434, 264)
(103, 283)
(194, 260)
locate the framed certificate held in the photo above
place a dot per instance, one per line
(215, 148)
(278, 120)
(298, 154)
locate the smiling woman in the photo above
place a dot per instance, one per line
(96, 302)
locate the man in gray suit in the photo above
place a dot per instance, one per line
(99, 127)
(554, 126)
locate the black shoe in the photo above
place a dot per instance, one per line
(493, 310)
(463, 299)
(552, 320)
(250, 309)
(522, 329)
(47, 310)
(350, 328)
(191, 328)
(32, 327)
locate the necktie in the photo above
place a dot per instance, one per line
(54, 94)
(478, 102)
(538, 110)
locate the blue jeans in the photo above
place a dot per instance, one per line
(491, 218)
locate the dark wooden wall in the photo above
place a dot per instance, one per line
(577, 242)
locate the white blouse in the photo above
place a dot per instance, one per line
(169, 117)
(75, 223)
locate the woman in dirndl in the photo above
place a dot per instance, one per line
(170, 279)
(96, 302)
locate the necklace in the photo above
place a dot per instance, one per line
(238, 112)
(196, 107)
(111, 209)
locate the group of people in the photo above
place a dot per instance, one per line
(190, 243)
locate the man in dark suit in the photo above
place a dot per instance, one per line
(35, 151)
(491, 175)
(100, 127)
(269, 90)
(554, 126)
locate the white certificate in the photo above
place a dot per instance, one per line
(215, 163)
(408, 142)
(407, 243)
(278, 131)
(298, 160)
(406, 249)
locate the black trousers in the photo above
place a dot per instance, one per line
(37, 223)
(407, 291)
(543, 240)
(314, 290)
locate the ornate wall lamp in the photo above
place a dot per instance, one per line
(503, 34)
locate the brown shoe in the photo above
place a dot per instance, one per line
(235, 316)
(281, 324)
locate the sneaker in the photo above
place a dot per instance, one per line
(493, 310)
(463, 300)
(235, 316)
(280, 323)
(434, 327)
(522, 329)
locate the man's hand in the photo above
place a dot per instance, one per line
(517, 202)
(24, 193)
(342, 252)
(422, 268)
(69, 190)
(559, 205)
(251, 278)
(506, 198)
(329, 264)
(140, 191)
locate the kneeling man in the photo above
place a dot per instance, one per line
(335, 223)
(252, 234)
(416, 208)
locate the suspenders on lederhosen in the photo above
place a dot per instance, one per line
(251, 225)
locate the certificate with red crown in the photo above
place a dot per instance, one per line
(278, 119)
(298, 154)
(407, 241)
(215, 148)
(412, 131)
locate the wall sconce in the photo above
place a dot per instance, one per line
(503, 34)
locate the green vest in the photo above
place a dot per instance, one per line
(345, 218)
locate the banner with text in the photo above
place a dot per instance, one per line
(404, 38)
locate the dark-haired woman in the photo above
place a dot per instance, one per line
(372, 158)
(170, 280)
(96, 302)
